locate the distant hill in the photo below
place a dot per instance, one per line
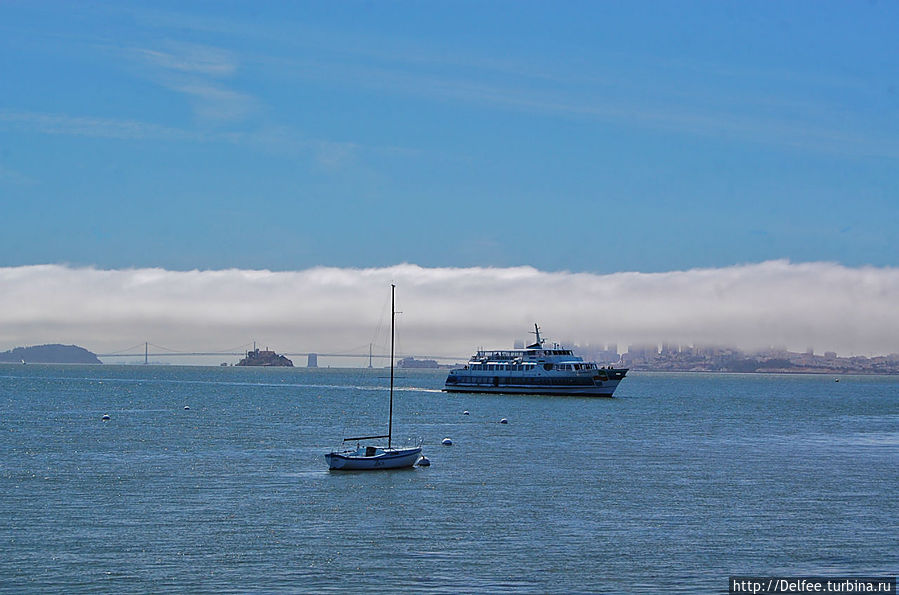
(50, 354)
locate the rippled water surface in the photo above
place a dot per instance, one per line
(679, 482)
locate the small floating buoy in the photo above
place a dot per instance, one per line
(447, 442)
(105, 417)
(424, 462)
(465, 412)
(186, 407)
(504, 421)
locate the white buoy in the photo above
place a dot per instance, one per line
(504, 421)
(105, 417)
(447, 442)
(465, 412)
(424, 462)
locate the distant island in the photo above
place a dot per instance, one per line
(49, 354)
(430, 364)
(411, 362)
(264, 357)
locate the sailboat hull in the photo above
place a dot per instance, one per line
(387, 458)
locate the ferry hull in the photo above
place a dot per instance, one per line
(579, 391)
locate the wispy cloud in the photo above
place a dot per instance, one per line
(765, 120)
(112, 128)
(200, 73)
(214, 102)
(450, 311)
(328, 154)
(15, 177)
(192, 58)
(777, 106)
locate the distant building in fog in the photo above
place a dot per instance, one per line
(641, 353)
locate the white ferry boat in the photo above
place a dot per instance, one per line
(534, 370)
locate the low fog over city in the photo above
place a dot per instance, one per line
(451, 311)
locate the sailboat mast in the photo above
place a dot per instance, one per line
(392, 324)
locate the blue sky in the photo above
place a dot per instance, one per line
(583, 136)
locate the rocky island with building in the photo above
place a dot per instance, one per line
(411, 362)
(264, 357)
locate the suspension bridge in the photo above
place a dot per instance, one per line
(144, 350)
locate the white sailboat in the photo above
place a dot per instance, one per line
(375, 457)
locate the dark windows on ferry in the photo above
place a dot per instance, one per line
(529, 366)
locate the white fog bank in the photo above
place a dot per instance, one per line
(451, 311)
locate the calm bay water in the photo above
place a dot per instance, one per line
(679, 482)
